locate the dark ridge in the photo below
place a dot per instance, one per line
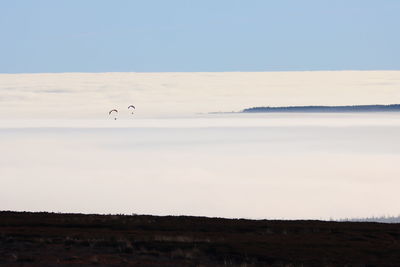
(333, 109)
(53, 239)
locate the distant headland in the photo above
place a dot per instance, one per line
(333, 109)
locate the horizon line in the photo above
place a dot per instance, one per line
(235, 71)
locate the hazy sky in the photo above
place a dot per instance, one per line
(207, 35)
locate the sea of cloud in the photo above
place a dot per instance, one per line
(62, 152)
(92, 95)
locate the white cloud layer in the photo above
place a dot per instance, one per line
(297, 171)
(169, 161)
(92, 95)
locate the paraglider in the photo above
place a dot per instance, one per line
(113, 110)
(131, 106)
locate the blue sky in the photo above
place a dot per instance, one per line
(193, 35)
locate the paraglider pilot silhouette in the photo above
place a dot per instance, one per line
(113, 111)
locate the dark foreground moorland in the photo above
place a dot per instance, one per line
(48, 239)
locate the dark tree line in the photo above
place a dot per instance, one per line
(355, 108)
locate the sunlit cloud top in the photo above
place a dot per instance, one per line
(92, 95)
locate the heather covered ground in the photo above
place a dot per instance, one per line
(48, 239)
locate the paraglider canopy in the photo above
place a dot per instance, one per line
(131, 106)
(111, 111)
